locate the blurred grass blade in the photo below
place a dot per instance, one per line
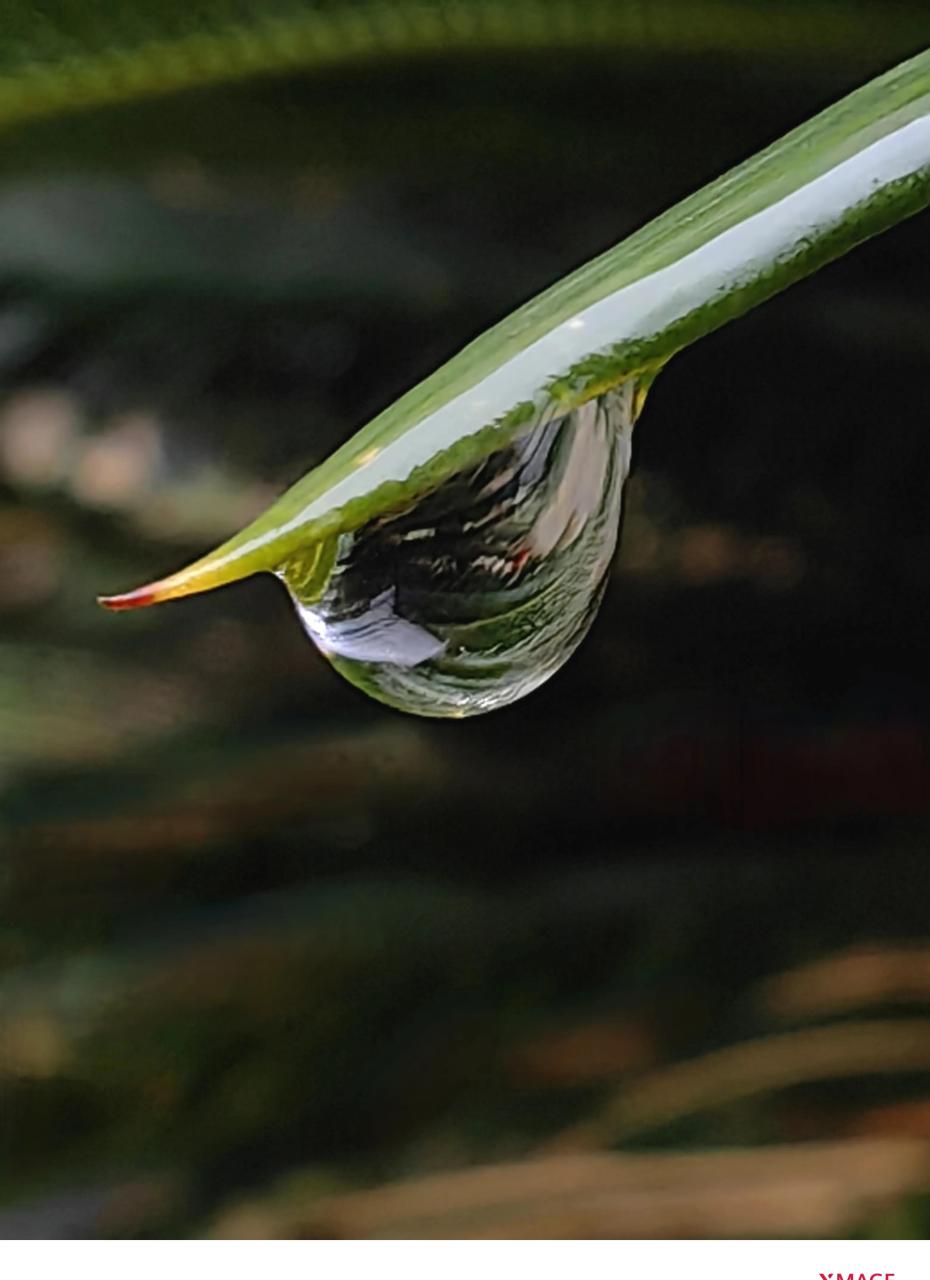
(852, 171)
(63, 55)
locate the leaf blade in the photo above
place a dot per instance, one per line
(850, 172)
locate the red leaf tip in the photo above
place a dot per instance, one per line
(137, 599)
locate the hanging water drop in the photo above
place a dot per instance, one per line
(477, 592)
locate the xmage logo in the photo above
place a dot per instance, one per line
(854, 1275)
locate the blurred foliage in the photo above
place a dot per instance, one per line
(70, 53)
(647, 952)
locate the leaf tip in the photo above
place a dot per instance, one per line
(137, 599)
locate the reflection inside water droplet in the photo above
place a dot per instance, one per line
(473, 596)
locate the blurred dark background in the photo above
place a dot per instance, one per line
(647, 954)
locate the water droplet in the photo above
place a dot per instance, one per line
(472, 596)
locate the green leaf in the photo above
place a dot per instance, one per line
(852, 171)
(68, 54)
